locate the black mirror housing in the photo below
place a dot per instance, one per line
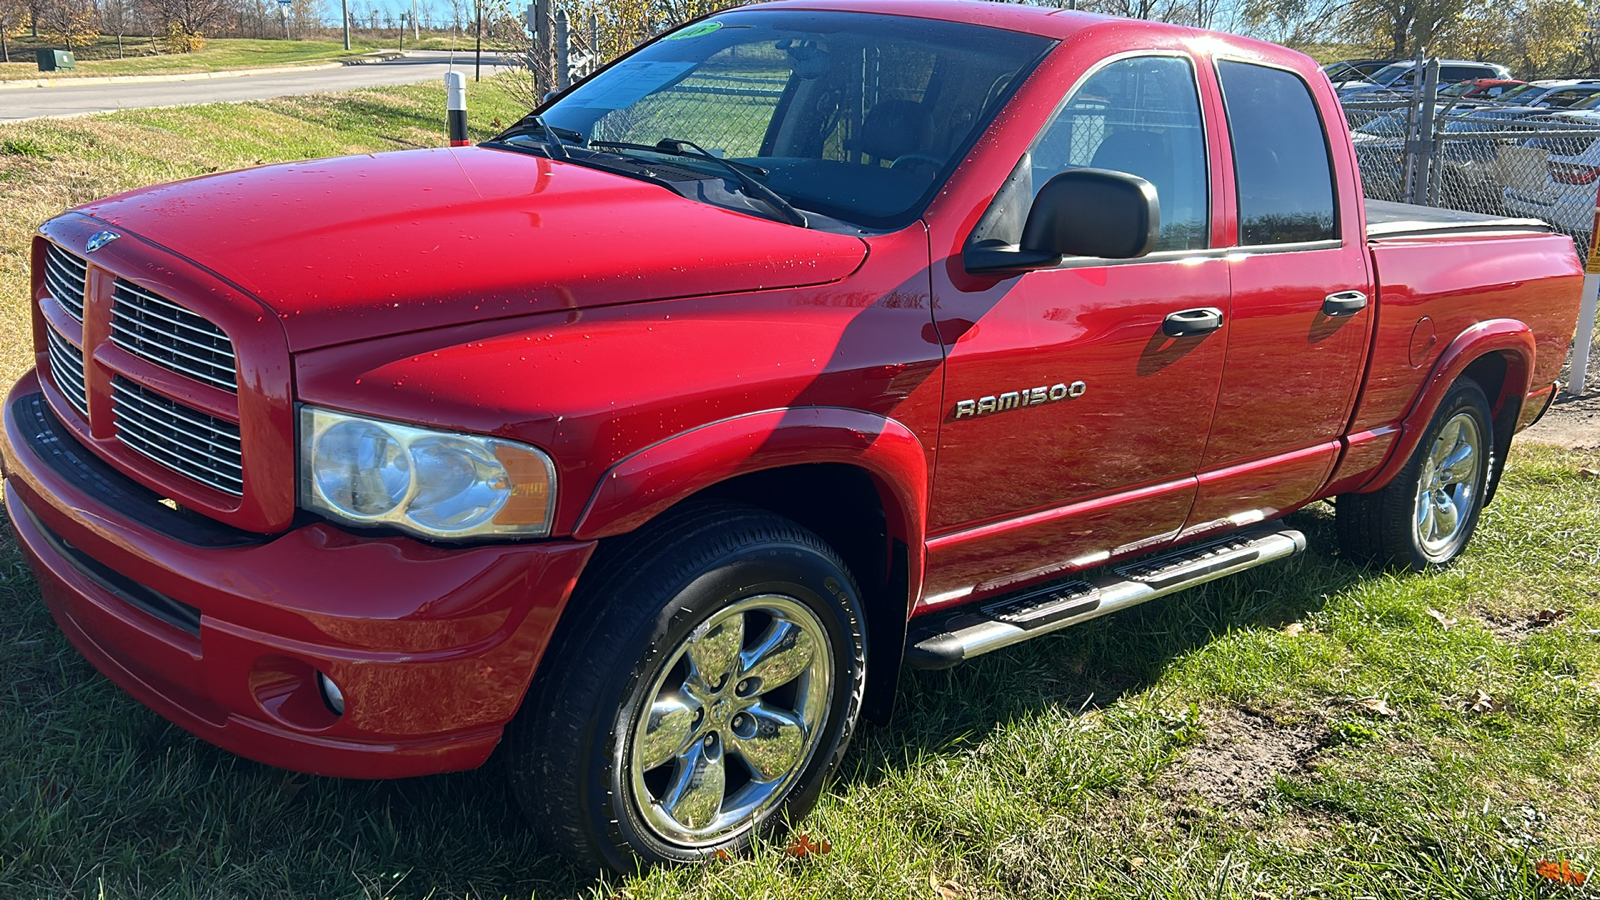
(1094, 212)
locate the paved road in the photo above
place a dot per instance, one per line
(76, 100)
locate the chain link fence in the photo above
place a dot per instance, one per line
(1494, 160)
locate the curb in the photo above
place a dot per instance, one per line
(194, 76)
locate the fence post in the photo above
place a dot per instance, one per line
(1422, 184)
(563, 52)
(542, 43)
(1413, 113)
(594, 41)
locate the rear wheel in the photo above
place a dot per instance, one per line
(706, 689)
(1427, 514)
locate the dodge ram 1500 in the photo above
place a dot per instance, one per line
(813, 339)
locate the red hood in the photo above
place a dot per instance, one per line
(363, 246)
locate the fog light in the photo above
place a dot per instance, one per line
(331, 694)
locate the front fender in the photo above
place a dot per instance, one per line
(1509, 337)
(643, 485)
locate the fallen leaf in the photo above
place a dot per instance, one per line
(1547, 616)
(803, 846)
(1444, 621)
(1562, 872)
(1377, 706)
(1293, 628)
(1588, 472)
(1135, 864)
(1479, 702)
(723, 855)
(947, 890)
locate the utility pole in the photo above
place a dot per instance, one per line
(345, 5)
(477, 57)
(416, 33)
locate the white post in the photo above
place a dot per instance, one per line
(1591, 287)
(1580, 344)
(455, 88)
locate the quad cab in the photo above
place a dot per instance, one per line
(813, 339)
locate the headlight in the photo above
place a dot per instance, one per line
(434, 483)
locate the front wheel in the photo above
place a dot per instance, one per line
(1425, 517)
(705, 690)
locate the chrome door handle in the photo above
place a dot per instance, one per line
(1344, 303)
(1191, 322)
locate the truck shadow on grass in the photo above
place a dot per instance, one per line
(95, 788)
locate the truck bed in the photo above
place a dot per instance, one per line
(1387, 219)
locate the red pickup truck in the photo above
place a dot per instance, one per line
(811, 340)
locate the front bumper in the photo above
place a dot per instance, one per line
(224, 633)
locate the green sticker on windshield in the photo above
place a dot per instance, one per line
(694, 31)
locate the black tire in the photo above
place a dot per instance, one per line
(1391, 527)
(649, 607)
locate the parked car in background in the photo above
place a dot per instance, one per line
(1400, 77)
(1566, 93)
(1566, 198)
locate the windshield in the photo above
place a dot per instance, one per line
(1519, 90)
(1389, 73)
(852, 115)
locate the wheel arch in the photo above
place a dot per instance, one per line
(1499, 355)
(858, 480)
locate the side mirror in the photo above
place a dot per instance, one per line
(1082, 212)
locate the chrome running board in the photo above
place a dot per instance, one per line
(975, 630)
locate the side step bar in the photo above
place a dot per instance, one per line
(967, 632)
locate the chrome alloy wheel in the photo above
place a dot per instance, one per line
(732, 720)
(1448, 485)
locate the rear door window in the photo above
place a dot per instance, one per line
(1281, 161)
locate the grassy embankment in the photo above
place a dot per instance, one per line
(219, 54)
(1310, 729)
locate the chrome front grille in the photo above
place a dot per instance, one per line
(186, 440)
(156, 329)
(66, 367)
(65, 275)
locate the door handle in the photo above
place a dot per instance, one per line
(1344, 303)
(1191, 322)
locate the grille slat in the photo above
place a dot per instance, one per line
(66, 367)
(65, 276)
(200, 446)
(205, 445)
(156, 329)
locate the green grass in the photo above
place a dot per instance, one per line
(1198, 746)
(219, 54)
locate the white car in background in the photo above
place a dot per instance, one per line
(1566, 196)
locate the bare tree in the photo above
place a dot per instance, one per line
(72, 22)
(189, 18)
(115, 17)
(12, 15)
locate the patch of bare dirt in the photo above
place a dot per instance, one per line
(1241, 754)
(1572, 422)
(1516, 626)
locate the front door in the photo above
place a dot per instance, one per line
(1073, 425)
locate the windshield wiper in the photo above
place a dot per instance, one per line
(739, 170)
(552, 135)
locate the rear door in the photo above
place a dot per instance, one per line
(1302, 295)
